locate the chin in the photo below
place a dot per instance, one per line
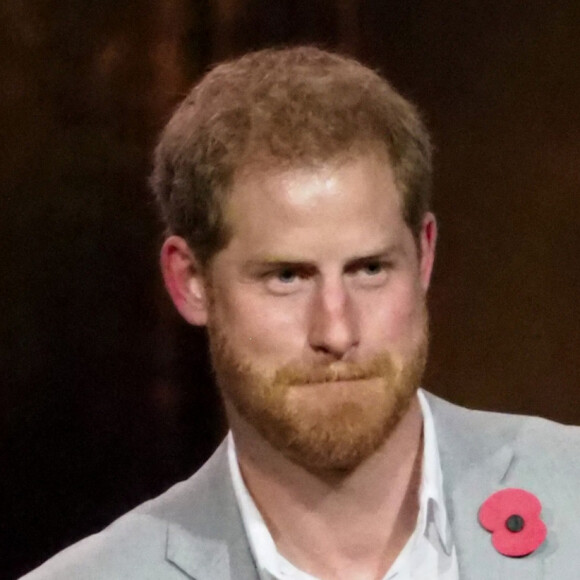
(337, 432)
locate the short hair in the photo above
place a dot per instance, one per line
(281, 108)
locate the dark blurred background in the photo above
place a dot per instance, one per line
(106, 396)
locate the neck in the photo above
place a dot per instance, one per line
(335, 525)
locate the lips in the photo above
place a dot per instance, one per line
(338, 384)
(294, 375)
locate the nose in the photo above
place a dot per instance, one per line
(333, 323)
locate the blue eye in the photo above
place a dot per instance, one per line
(371, 273)
(373, 268)
(286, 275)
(284, 281)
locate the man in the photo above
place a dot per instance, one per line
(295, 188)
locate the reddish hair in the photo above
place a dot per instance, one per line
(281, 108)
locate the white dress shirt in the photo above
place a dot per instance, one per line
(429, 553)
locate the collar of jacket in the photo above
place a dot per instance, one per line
(205, 535)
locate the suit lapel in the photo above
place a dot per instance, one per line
(478, 459)
(205, 534)
(207, 559)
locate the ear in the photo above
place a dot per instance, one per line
(427, 241)
(184, 280)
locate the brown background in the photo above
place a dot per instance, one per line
(106, 397)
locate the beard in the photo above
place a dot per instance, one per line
(326, 418)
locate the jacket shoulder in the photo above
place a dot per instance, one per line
(130, 547)
(536, 439)
(135, 546)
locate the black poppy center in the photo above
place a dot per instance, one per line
(515, 523)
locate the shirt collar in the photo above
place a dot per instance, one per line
(431, 500)
(261, 542)
(431, 496)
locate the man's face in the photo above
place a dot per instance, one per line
(317, 319)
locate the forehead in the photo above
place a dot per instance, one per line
(352, 201)
(277, 182)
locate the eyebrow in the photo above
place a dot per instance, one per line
(273, 263)
(387, 253)
(288, 261)
(395, 249)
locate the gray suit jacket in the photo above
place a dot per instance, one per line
(194, 530)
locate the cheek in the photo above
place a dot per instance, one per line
(260, 324)
(392, 318)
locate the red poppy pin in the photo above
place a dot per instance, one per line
(513, 518)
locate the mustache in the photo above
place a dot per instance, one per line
(298, 374)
